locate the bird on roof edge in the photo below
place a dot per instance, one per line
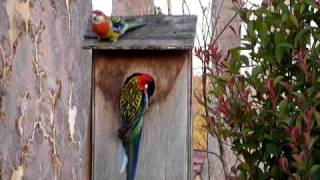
(111, 28)
(134, 98)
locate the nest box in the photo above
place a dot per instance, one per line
(163, 49)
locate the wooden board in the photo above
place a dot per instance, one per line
(160, 32)
(166, 145)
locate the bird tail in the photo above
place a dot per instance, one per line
(123, 159)
(132, 150)
(134, 24)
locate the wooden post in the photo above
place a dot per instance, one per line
(132, 8)
(162, 49)
(45, 83)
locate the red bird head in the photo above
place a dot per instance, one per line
(100, 23)
(144, 82)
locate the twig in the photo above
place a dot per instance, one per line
(224, 28)
(222, 158)
(169, 7)
(206, 151)
(185, 3)
(217, 19)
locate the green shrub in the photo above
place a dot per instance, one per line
(267, 92)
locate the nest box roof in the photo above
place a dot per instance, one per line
(160, 33)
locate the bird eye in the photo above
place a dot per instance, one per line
(146, 86)
(94, 17)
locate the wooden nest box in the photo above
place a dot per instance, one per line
(163, 49)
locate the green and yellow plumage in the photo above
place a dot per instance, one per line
(130, 101)
(133, 104)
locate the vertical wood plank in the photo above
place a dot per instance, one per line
(190, 120)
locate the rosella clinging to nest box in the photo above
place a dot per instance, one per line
(111, 27)
(135, 93)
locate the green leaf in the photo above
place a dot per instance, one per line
(303, 6)
(285, 45)
(279, 38)
(317, 115)
(294, 20)
(245, 60)
(271, 149)
(250, 32)
(217, 91)
(283, 109)
(235, 62)
(312, 141)
(279, 54)
(262, 27)
(299, 36)
(284, 8)
(244, 167)
(277, 79)
(317, 36)
(315, 169)
(256, 71)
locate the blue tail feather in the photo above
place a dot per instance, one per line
(132, 150)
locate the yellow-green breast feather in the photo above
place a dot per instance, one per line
(130, 101)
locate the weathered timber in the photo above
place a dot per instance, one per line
(160, 33)
(130, 7)
(45, 83)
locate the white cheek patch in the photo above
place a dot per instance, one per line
(97, 19)
(146, 86)
(100, 19)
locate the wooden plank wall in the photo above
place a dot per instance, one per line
(165, 148)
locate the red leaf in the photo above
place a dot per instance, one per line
(270, 89)
(283, 164)
(223, 107)
(199, 53)
(214, 53)
(308, 118)
(291, 145)
(265, 3)
(298, 157)
(302, 61)
(307, 139)
(293, 132)
(238, 2)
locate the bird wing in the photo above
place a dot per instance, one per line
(132, 107)
(118, 24)
(133, 103)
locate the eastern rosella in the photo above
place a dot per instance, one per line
(135, 93)
(111, 27)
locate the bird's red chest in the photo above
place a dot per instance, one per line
(101, 29)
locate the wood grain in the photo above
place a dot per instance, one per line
(46, 74)
(165, 146)
(160, 32)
